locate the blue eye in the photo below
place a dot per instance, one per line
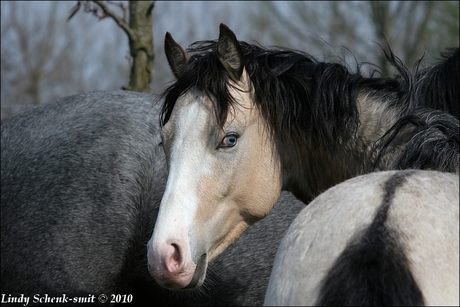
(229, 140)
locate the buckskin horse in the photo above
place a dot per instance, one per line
(242, 123)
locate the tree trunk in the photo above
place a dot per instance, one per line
(141, 46)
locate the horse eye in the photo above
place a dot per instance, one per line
(229, 140)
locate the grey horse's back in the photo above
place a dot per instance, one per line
(382, 239)
(79, 181)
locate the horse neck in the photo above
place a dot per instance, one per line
(309, 170)
(377, 114)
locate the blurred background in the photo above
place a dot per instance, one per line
(45, 55)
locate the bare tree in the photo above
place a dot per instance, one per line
(87, 54)
(411, 27)
(33, 52)
(190, 21)
(44, 58)
(390, 24)
(139, 29)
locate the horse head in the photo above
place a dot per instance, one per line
(223, 171)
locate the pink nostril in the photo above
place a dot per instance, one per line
(174, 263)
(171, 264)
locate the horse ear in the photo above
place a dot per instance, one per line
(229, 52)
(177, 57)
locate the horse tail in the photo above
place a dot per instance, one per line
(373, 269)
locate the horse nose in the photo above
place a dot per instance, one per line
(167, 264)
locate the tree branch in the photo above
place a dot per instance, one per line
(122, 7)
(271, 7)
(150, 9)
(122, 23)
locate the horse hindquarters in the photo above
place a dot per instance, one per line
(388, 238)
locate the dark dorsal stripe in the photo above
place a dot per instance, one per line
(373, 269)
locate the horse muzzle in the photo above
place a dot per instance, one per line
(174, 269)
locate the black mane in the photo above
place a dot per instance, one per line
(301, 98)
(437, 86)
(307, 102)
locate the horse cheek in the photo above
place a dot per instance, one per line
(262, 186)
